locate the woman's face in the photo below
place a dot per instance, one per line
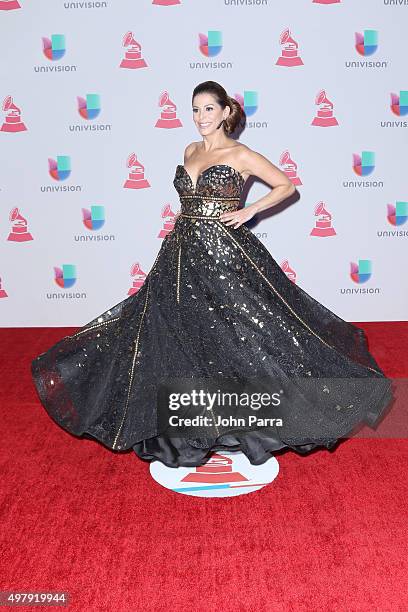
(207, 113)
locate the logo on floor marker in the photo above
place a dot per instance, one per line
(225, 474)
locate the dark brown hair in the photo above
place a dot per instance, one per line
(223, 99)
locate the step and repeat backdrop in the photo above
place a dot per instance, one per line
(96, 113)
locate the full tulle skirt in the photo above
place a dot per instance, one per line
(215, 306)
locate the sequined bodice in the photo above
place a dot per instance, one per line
(218, 189)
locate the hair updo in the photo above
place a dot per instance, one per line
(215, 89)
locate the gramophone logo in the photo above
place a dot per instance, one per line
(398, 214)
(93, 218)
(168, 117)
(226, 474)
(3, 292)
(59, 169)
(166, 2)
(289, 167)
(9, 5)
(361, 272)
(324, 117)
(366, 43)
(290, 273)
(168, 215)
(323, 224)
(210, 44)
(136, 178)
(133, 56)
(399, 103)
(289, 56)
(248, 102)
(138, 276)
(65, 277)
(364, 164)
(89, 107)
(19, 231)
(54, 47)
(13, 121)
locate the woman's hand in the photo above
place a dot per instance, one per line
(237, 217)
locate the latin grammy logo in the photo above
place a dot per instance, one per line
(289, 167)
(133, 57)
(3, 292)
(289, 55)
(324, 117)
(138, 278)
(323, 226)
(217, 469)
(13, 121)
(136, 179)
(166, 2)
(168, 225)
(290, 273)
(19, 232)
(9, 5)
(168, 118)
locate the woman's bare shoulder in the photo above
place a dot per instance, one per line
(242, 148)
(189, 150)
(241, 153)
(239, 149)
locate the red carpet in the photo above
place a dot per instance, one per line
(330, 533)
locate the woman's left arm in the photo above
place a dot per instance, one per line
(257, 164)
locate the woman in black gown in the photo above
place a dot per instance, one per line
(214, 307)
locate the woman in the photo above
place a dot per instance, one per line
(216, 316)
(216, 147)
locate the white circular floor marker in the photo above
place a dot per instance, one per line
(225, 474)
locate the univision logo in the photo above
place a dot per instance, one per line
(398, 107)
(397, 215)
(93, 219)
(363, 165)
(367, 42)
(360, 273)
(96, 4)
(366, 45)
(248, 102)
(90, 106)
(210, 45)
(399, 103)
(65, 277)
(54, 47)
(59, 169)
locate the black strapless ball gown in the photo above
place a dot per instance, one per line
(215, 304)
